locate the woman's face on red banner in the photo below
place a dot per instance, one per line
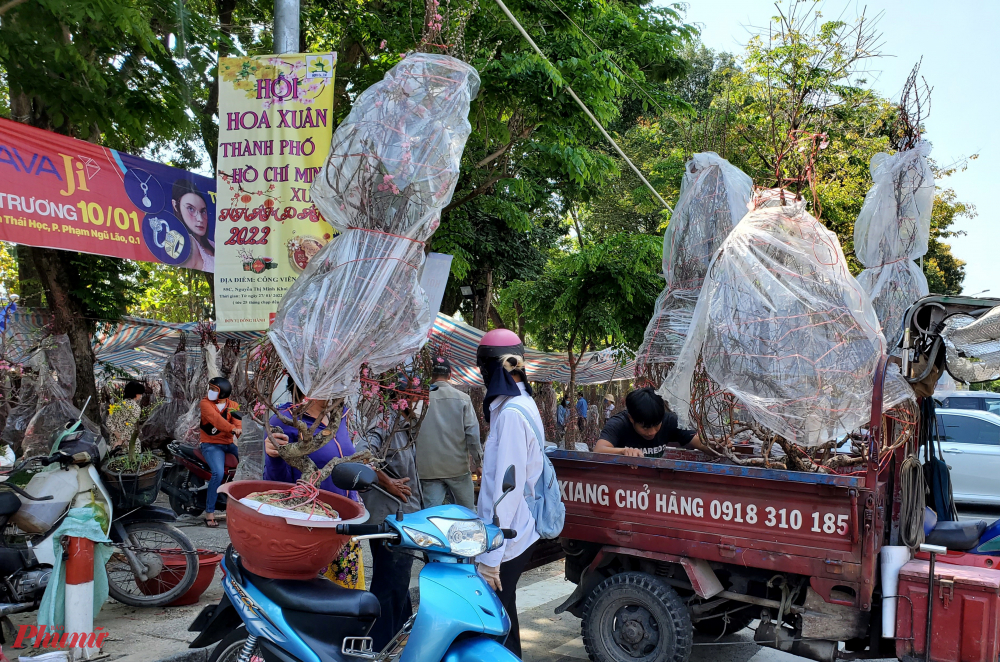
(193, 211)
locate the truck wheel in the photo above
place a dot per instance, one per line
(634, 616)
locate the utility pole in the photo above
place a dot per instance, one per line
(286, 26)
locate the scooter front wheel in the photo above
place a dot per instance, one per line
(163, 554)
(229, 649)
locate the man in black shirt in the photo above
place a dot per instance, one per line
(645, 429)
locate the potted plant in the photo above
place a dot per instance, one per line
(133, 477)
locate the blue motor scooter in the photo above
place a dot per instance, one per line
(459, 619)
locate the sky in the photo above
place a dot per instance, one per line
(958, 43)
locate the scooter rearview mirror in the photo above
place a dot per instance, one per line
(508, 485)
(509, 480)
(353, 476)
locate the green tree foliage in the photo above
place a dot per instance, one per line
(8, 270)
(532, 151)
(600, 296)
(174, 294)
(102, 71)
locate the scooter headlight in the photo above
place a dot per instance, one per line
(422, 539)
(467, 537)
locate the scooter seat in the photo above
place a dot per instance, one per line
(959, 536)
(231, 460)
(317, 596)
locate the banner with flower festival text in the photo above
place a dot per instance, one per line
(275, 125)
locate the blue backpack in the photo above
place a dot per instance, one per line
(545, 504)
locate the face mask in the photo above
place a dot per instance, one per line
(213, 395)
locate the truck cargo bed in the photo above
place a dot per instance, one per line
(812, 524)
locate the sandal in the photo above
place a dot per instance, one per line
(211, 523)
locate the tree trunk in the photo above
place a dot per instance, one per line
(51, 269)
(481, 302)
(546, 399)
(569, 443)
(30, 285)
(68, 318)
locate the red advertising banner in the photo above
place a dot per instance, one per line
(60, 192)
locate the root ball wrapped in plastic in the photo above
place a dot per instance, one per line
(782, 326)
(56, 370)
(160, 428)
(393, 166)
(892, 230)
(714, 197)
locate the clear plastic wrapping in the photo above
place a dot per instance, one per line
(393, 166)
(783, 327)
(56, 371)
(714, 197)
(972, 346)
(21, 413)
(159, 427)
(892, 230)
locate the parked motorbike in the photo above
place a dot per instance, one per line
(971, 536)
(185, 481)
(459, 619)
(152, 563)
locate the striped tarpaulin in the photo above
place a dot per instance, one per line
(142, 347)
(458, 342)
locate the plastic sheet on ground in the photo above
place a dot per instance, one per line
(972, 346)
(56, 370)
(393, 166)
(714, 197)
(892, 230)
(783, 326)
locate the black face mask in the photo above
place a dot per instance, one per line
(498, 382)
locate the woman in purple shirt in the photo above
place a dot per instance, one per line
(340, 446)
(347, 569)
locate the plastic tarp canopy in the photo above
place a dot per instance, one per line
(714, 196)
(783, 326)
(393, 167)
(892, 231)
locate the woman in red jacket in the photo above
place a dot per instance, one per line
(219, 427)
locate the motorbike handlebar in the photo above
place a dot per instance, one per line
(509, 534)
(361, 529)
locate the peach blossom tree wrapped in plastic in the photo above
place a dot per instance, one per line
(782, 329)
(892, 231)
(714, 196)
(393, 166)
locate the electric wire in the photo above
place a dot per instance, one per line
(610, 59)
(583, 107)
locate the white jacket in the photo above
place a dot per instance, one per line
(510, 442)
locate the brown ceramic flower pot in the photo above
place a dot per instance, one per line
(285, 548)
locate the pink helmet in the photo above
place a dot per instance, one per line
(497, 343)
